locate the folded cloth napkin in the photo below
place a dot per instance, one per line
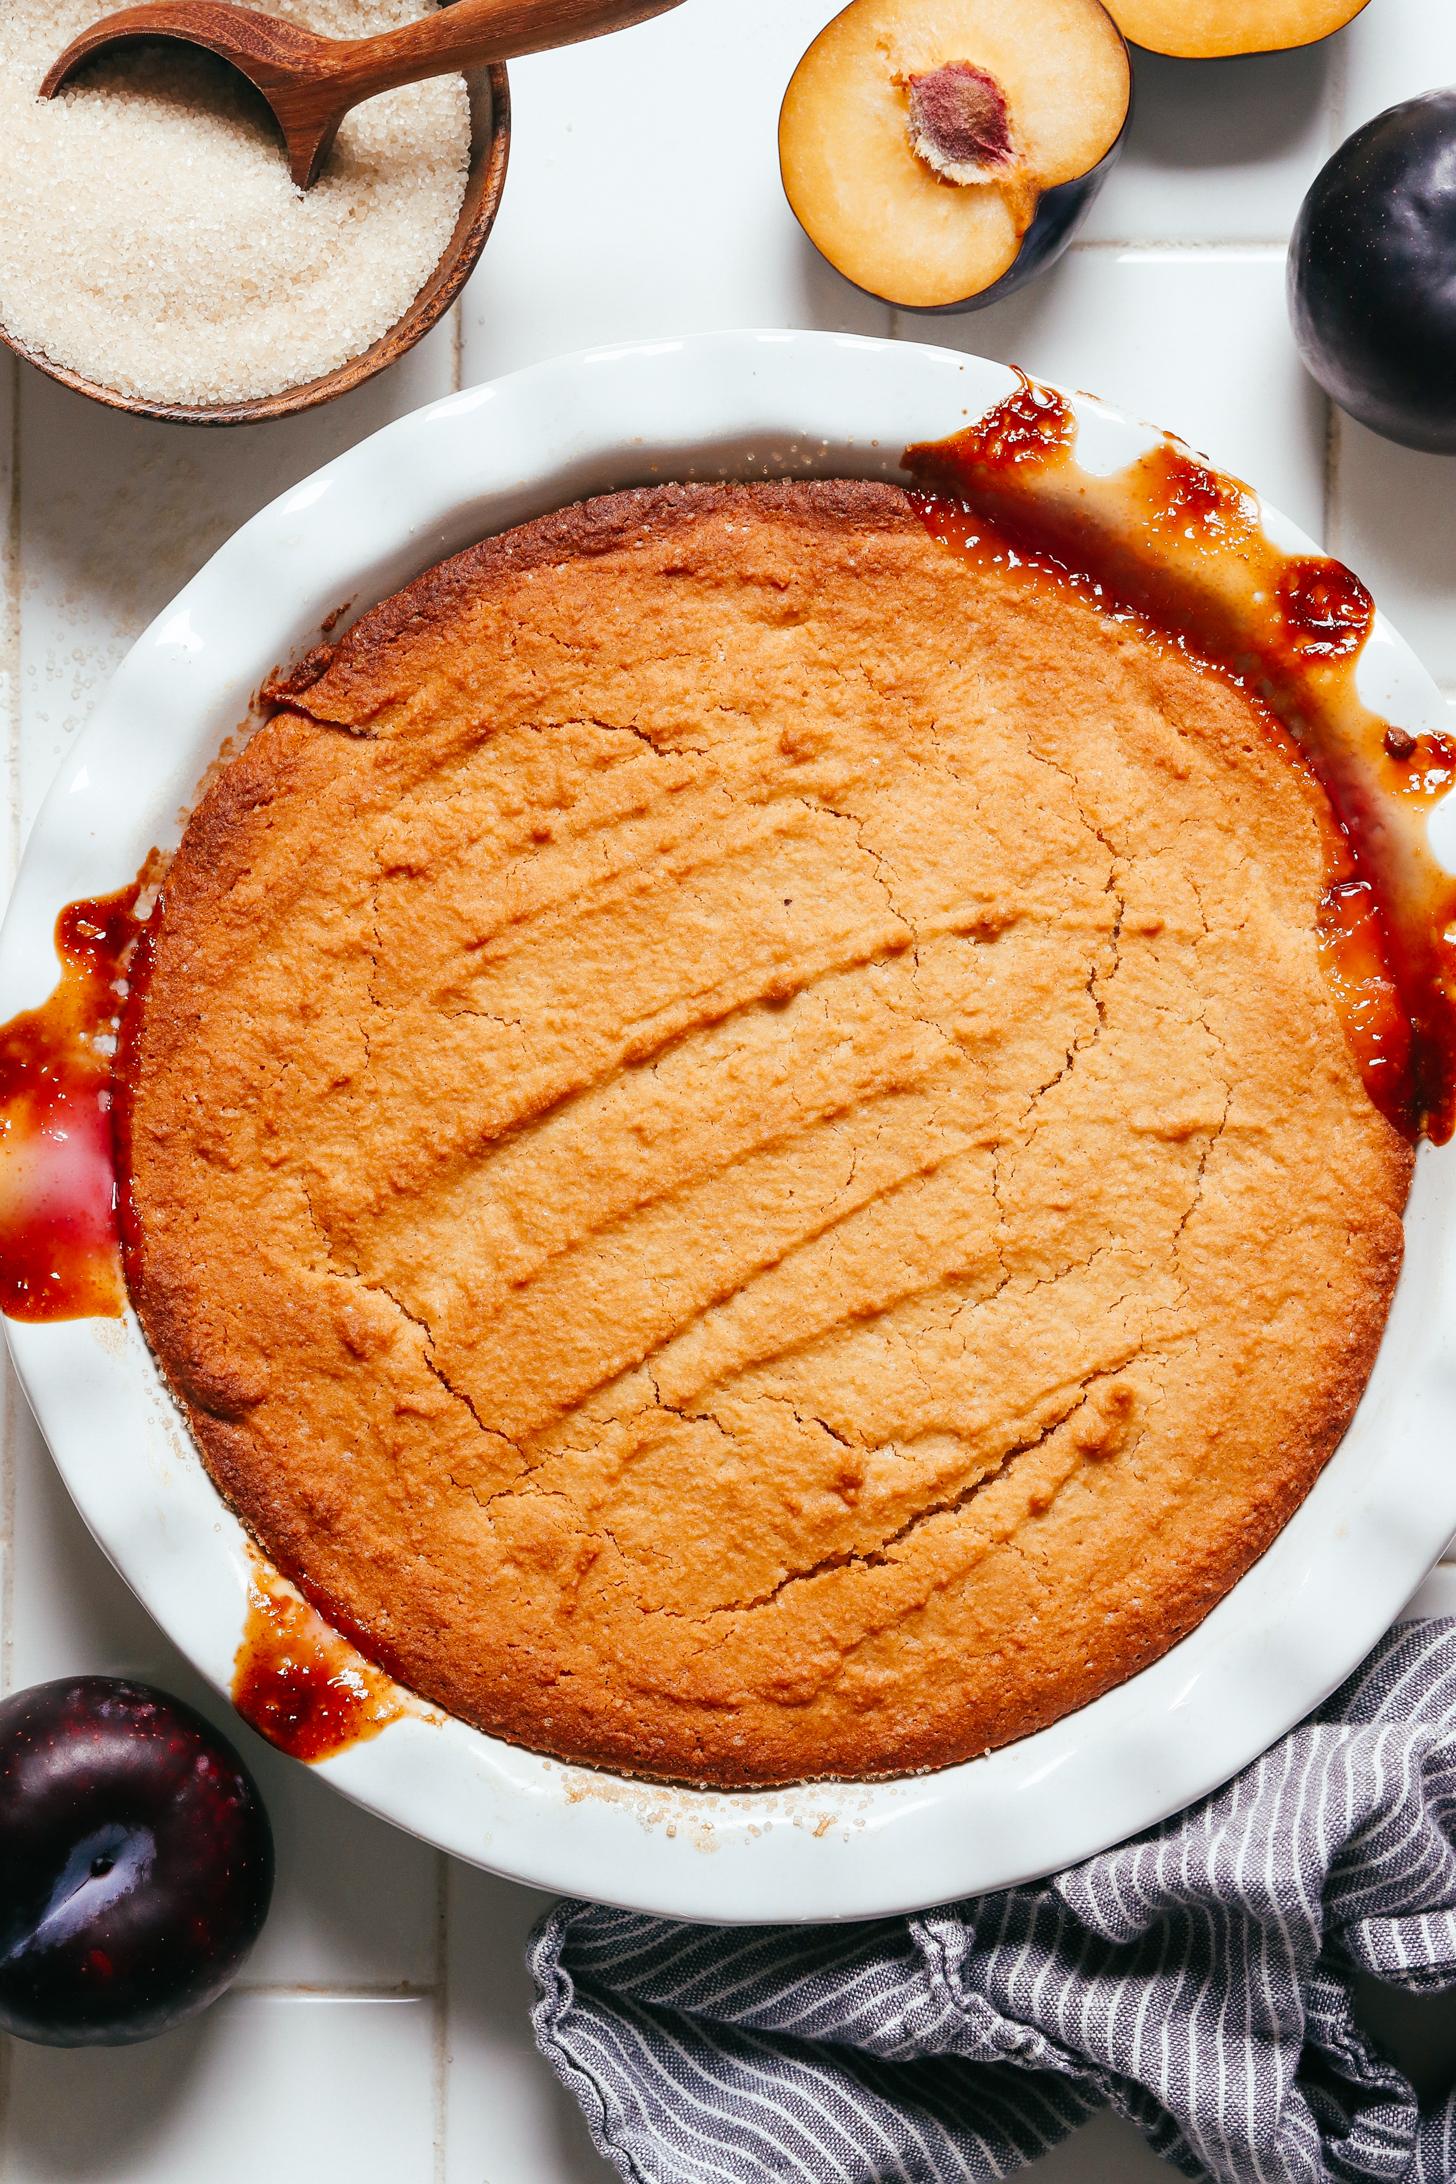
(1198, 1980)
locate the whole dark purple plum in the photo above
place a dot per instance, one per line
(1372, 274)
(136, 1862)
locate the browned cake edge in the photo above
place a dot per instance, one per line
(434, 1671)
(342, 687)
(347, 682)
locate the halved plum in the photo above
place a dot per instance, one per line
(941, 152)
(1219, 30)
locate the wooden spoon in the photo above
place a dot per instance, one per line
(312, 82)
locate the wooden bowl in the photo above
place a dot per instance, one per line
(490, 144)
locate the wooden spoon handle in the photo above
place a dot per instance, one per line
(470, 33)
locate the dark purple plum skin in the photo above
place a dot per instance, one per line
(1372, 274)
(136, 1863)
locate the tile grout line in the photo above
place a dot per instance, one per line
(1337, 96)
(1336, 91)
(1190, 246)
(309, 1990)
(1334, 446)
(11, 577)
(9, 1393)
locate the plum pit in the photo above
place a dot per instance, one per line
(959, 124)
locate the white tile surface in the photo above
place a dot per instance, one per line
(1221, 150)
(274, 2088)
(1395, 50)
(507, 2117)
(643, 201)
(588, 250)
(1438, 1594)
(1104, 2151)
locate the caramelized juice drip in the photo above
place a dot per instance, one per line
(59, 1231)
(1178, 549)
(298, 1682)
(123, 1081)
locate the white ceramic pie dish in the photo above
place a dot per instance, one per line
(733, 404)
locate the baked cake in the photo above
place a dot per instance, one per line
(740, 1150)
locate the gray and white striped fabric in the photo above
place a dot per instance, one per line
(1197, 1980)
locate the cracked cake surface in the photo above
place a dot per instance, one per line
(739, 1147)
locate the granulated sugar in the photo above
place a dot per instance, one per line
(150, 237)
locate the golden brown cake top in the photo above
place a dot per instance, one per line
(740, 1145)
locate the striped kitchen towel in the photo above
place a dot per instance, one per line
(1197, 1980)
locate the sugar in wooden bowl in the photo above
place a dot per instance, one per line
(152, 243)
